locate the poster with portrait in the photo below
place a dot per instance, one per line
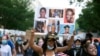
(53, 24)
(53, 19)
(40, 20)
(41, 13)
(56, 13)
(69, 15)
(40, 26)
(66, 29)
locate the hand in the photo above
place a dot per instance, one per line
(32, 32)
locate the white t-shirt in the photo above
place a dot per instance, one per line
(5, 50)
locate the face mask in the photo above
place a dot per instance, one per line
(77, 46)
(4, 42)
(49, 47)
(97, 43)
(20, 42)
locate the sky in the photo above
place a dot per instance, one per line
(59, 4)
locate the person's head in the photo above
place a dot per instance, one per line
(89, 36)
(67, 28)
(69, 14)
(85, 41)
(49, 43)
(42, 12)
(40, 41)
(53, 28)
(77, 43)
(19, 41)
(4, 40)
(91, 49)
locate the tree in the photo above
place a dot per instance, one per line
(76, 26)
(90, 18)
(15, 14)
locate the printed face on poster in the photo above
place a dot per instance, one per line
(41, 13)
(66, 29)
(69, 15)
(56, 13)
(53, 19)
(53, 25)
(40, 26)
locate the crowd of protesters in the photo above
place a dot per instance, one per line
(48, 45)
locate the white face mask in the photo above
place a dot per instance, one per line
(97, 43)
(78, 46)
(49, 47)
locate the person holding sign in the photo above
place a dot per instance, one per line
(42, 12)
(49, 47)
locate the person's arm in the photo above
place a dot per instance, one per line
(25, 46)
(61, 49)
(32, 45)
(14, 52)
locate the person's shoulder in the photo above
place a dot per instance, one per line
(10, 41)
(11, 44)
(6, 46)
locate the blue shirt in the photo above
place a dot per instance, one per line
(98, 48)
(11, 44)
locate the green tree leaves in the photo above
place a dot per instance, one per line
(89, 20)
(16, 14)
